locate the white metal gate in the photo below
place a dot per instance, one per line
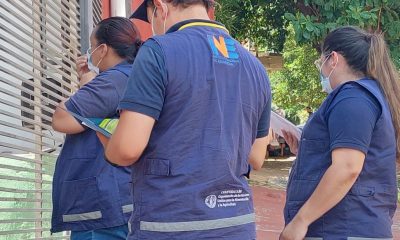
(39, 42)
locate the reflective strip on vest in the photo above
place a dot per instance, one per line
(197, 225)
(360, 238)
(127, 208)
(82, 216)
(350, 238)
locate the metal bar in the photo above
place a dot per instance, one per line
(75, 3)
(29, 15)
(29, 130)
(21, 179)
(21, 231)
(2, 68)
(12, 199)
(51, 238)
(55, 34)
(23, 169)
(13, 146)
(86, 23)
(28, 120)
(28, 160)
(45, 100)
(27, 101)
(12, 190)
(22, 220)
(67, 4)
(38, 57)
(55, 18)
(25, 109)
(14, 136)
(42, 61)
(97, 12)
(25, 209)
(63, 6)
(45, 52)
(24, 31)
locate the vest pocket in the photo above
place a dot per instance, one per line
(362, 191)
(79, 200)
(157, 167)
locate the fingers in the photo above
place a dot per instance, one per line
(83, 57)
(82, 65)
(81, 61)
(291, 140)
(288, 137)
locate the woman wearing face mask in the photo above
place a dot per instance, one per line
(343, 184)
(91, 198)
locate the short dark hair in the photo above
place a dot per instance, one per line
(121, 35)
(186, 3)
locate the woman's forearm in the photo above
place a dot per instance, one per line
(334, 185)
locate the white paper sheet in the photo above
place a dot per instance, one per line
(279, 123)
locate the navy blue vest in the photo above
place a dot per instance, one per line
(190, 182)
(89, 193)
(367, 210)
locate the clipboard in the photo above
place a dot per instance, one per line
(105, 126)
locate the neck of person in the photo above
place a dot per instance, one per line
(179, 14)
(110, 62)
(346, 76)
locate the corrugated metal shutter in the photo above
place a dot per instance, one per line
(97, 6)
(39, 42)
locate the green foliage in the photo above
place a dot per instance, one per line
(260, 21)
(297, 86)
(315, 18)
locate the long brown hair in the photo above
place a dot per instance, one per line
(376, 63)
(381, 68)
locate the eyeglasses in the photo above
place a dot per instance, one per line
(318, 63)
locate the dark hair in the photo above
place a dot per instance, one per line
(121, 35)
(367, 53)
(186, 3)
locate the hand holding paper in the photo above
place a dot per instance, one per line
(279, 123)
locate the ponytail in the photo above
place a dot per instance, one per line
(381, 68)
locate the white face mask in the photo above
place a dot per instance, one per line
(325, 81)
(91, 66)
(152, 22)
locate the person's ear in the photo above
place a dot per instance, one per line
(103, 50)
(334, 59)
(162, 8)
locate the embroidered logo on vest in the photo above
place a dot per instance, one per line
(224, 50)
(211, 201)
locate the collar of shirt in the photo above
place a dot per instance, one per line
(178, 25)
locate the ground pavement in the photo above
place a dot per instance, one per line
(268, 186)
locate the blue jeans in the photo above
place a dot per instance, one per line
(114, 233)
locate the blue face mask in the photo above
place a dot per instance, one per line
(91, 66)
(326, 84)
